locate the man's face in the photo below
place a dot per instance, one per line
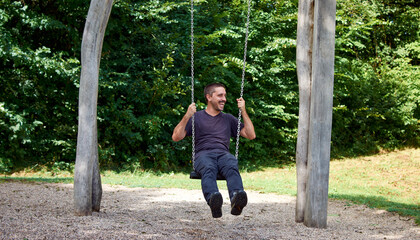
(218, 98)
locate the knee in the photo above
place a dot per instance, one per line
(210, 171)
(204, 166)
(209, 175)
(230, 170)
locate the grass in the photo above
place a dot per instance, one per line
(389, 181)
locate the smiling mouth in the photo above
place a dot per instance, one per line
(221, 105)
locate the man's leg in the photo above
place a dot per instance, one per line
(206, 166)
(228, 167)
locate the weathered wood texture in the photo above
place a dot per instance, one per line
(87, 183)
(304, 69)
(320, 114)
(96, 180)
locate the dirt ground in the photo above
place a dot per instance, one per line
(45, 211)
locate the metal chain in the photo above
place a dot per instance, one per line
(192, 81)
(243, 79)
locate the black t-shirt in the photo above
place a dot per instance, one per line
(213, 132)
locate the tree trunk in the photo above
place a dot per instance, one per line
(304, 69)
(320, 114)
(87, 184)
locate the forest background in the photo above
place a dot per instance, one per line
(144, 85)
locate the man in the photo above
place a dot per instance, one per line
(213, 130)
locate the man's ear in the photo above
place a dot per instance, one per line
(208, 97)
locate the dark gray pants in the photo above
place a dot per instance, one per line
(211, 162)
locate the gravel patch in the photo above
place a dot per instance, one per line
(45, 211)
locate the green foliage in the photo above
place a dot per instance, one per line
(377, 79)
(38, 75)
(144, 85)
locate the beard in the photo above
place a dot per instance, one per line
(219, 106)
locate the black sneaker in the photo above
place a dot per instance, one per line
(215, 203)
(239, 201)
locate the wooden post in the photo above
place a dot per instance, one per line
(87, 183)
(304, 69)
(320, 114)
(96, 179)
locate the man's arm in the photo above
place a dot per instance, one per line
(248, 130)
(179, 131)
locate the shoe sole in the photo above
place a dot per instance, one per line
(216, 203)
(239, 203)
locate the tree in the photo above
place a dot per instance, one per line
(87, 180)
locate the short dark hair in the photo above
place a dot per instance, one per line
(210, 89)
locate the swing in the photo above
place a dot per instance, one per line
(194, 174)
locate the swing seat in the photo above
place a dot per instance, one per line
(195, 175)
